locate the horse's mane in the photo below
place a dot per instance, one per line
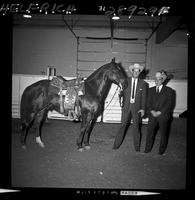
(99, 70)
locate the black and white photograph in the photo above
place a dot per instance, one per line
(99, 96)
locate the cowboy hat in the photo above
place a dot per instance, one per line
(136, 66)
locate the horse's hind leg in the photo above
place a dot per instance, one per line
(39, 121)
(25, 126)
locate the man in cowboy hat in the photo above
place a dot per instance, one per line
(161, 102)
(134, 106)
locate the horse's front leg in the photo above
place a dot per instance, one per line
(85, 128)
(82, 132)
(87, 134)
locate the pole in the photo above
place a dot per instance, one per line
(77, 39)
(77, 73)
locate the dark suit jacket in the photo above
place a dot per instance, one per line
(140, 96)
(164, 101)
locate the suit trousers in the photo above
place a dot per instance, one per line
(164, 125)
(127, 116)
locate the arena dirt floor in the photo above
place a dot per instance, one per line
(61, 165)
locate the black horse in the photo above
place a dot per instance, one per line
(38, 99)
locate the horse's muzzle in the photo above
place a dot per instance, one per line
(125, 84)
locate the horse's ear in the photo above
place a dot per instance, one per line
(113, 60)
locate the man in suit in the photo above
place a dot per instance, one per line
(160, 105)
(134, 105)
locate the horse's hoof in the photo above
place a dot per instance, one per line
(41, 145)
(39, 142)
(81, 149)
(87, 147)
(24, 146)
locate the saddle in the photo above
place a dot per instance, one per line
(69, 91)
(60, 82)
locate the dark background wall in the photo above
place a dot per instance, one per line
(44, 41)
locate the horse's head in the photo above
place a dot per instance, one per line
(118, 75)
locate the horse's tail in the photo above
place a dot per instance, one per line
(93, 114)
(23, 126)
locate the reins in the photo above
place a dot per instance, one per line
(112, 98)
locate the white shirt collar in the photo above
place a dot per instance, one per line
(134, 79)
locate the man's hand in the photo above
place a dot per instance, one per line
(142, 112)
(121, 98)
(158, 113)
(155, 113)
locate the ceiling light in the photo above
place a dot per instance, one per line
(115, 17)
(27, 16)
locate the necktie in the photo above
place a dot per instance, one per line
(133, 91)
(157, 90)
